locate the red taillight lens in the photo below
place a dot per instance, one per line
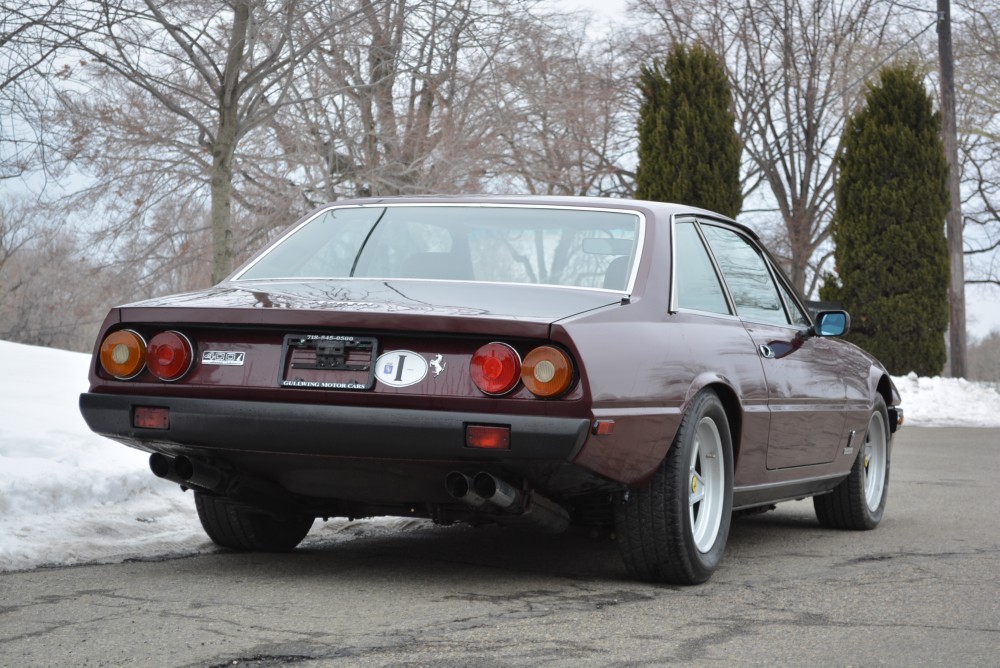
(169, 355)
(123, 354)
(495, 368)
(547, 372)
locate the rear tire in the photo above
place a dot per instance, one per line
(858, 502)
(246, 529)
(674, 529)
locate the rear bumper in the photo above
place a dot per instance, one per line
(330, 431)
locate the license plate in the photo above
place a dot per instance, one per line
(329, 361)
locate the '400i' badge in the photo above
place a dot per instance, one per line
(400, 368)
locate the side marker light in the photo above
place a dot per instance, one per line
(603, 427)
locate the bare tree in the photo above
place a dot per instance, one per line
(25, 52)
(33, 36)
(796, 67)
(53, 293)
(977, 45)
(566, 112)
(409, 93)
(167, 95)
(432, 96)
(984, 359)
(16, 230)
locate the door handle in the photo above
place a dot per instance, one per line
(766, 352)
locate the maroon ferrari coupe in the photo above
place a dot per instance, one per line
(534, 362)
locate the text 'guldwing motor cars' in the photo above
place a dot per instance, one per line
(533, 362)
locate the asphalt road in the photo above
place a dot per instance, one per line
(922, 589)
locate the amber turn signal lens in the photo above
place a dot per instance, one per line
(495, 368)
(123, 354)
(547, 372)
(169, 355)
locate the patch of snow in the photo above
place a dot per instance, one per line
(948, 402)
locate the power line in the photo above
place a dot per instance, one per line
(887, 58)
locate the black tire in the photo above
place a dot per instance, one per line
(665, 535)
(239, 527)
(858, 502)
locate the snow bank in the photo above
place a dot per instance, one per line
(69, 496)
(948, 402)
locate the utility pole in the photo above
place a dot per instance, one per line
(949, 134)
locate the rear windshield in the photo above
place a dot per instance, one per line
(585, 248)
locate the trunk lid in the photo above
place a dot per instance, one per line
(411, 305)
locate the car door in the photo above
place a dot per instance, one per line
(806, 393)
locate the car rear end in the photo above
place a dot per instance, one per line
(370, 393)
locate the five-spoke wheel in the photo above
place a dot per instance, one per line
(859, 501)
(708, 485)
(674, 528)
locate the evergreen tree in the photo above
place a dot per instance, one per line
(891, 252)
(689, 151)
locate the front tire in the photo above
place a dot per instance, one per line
(246, 529)
(674, 529)
(858, 502)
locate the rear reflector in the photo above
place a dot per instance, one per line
(487, 437)
(149, 417)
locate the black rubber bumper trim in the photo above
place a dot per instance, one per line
(338, 431)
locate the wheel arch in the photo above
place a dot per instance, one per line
(888, 392)
(732, 405)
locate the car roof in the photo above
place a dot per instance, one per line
(661, 210)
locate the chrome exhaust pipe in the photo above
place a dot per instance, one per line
(459, 487)
(250, 491)
(162, 466)
(501, 494)
(517, 508)
(184, 471)
(199, 475)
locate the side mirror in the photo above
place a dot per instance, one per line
(832, 323)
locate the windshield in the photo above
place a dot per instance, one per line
(587, 248)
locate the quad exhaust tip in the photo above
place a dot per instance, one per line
(485, 492)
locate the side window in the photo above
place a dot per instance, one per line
(746, 273)
(697, 284)
(795, 314)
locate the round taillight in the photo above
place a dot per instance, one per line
(123, 354)
(547, 372)
(495, 368)
(169, 355)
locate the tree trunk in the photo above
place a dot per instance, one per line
(223, 252)
(956, 288)
(224, 147)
